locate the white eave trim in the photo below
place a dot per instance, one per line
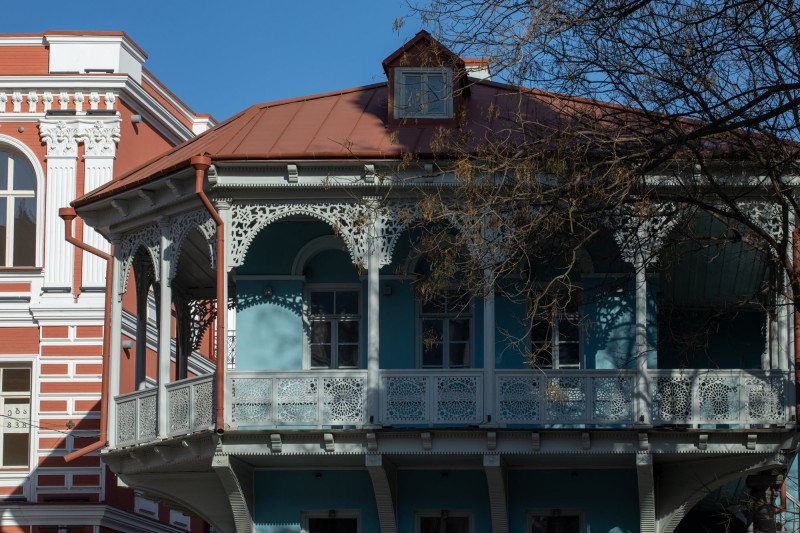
(22, 40)
(180, 106)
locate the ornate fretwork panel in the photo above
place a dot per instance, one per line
(765, 398)
(641, 229)
(671, 400)
(251, 402)
(355, 223)
(613, 398)
(565, 399)
(767, 215)
(519, 399)
(182, 226)
(457, 399)
(344, 400)
(405, 399)
(150, 239)
(347, 220)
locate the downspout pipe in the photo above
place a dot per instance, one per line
(796, 314)
(67, 214)
(201, 164)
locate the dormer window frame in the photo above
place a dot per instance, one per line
(401, 88)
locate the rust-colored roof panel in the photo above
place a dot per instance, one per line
(352, 124)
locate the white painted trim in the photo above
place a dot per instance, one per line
(19, 40)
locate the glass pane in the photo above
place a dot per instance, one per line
(348, 331)
(321, 355)
(541, 356)
(17, 415)
(556, 524)
(567, 330)
(568, 355)
(347, 303)
(348, 355)
(3, 171)
(432, 357)
(24, 178)
(319, 332)
(459, 355)
(412, 93)
(333, 525)
(435, 524)
(459, 330)
(436, 93)
(3, 231)
(321, 303)
(16, 379)
(15, 449)
(24, 231)
(540, 331)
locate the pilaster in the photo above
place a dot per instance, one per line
(60, 188)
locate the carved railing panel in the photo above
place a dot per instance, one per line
(432, 397)
(190, 405)
(137, 417)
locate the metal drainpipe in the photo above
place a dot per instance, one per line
(796, 261)
(201, 163)
(68, 215)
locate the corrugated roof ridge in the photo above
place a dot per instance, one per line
(340, 92)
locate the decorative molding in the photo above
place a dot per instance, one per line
(33, 99)
(101, 138)
(292, 176)
(641, 229)
(16, 99)
(61, 139)
(330, 445)
(149, 238)
(275, 443)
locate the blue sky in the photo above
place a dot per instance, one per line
(222, 56)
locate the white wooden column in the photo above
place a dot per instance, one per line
(164, 328)
(489, 355)
(100, 140)
(114, 344)
(223, 207)
(60, 190)
(373, 318)
(642, 387)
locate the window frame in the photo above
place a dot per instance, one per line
(30, 423)
(437, 513)
(400, 91)
(13, 147)
(306, 516)
(555, 512)
(577, 318)
(467, 314)
(307, 321)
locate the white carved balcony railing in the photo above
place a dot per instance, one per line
(137, 420)
(190, 405)
(431, 397)
(306, 398)
(742, 397)
(564, 397)
(232, 349)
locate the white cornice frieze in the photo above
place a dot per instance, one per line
(100, 138)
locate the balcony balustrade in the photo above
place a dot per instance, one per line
(441, 398)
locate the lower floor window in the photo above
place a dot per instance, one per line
(555, 521)
(443, 522)
(15, 401)
(330, 522)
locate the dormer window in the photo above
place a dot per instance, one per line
(423, 93)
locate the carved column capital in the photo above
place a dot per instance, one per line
(100, 138)
(61, 138)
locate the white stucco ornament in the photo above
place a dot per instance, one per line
(100, 139)
(61, 139)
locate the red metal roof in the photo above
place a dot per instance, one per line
(345, 125)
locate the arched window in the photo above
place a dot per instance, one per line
(17, 210)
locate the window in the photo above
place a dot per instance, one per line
(556, 343)
(423, 93)
(15, 400)
(555, 521)
(443, 522)
(331, 521)
(334, 328)
(17, 210)
(446, 325)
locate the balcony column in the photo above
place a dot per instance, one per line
(223, 207)
(488, 352)
(164, 326)
(374, 242)
(764, 488)
(642, 387)
(115, 332)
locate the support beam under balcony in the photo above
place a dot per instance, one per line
(237, 479)
(498, 491)
(647, 495)
(384, 478)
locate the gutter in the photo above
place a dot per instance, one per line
(201, 164)
(68, 215)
